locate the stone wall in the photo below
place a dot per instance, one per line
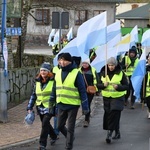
(20, 84)
(20, 81)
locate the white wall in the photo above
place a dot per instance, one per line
(33, 29)
(126, 7)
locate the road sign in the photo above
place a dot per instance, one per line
(13, 31)
(60, 20)
(14, 8)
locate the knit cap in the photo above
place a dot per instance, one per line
(46, 66)
(112, 61)
(86, 61)
(132, 49)
(66, 56)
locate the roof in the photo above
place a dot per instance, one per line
(137, 13)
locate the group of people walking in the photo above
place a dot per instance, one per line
(64, 88)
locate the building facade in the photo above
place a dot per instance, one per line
(40, 17)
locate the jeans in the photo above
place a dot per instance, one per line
(68, 131)
(90, 98)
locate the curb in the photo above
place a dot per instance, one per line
(78, 121)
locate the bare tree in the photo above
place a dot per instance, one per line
(28, 5)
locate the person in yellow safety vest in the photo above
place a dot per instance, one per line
(139, 49)
(64, 41)
(129, 63)
(56, 68)
(113, 84)
(145, 90)
(91, 78)
(55, 49)
(40, 97)
(92, 54)
(69, 93)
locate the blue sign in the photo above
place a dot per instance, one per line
(13, 31)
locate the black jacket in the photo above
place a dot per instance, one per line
(114, 103)
(143, 87)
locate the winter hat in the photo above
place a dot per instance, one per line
(112, 61)
(66, 56)
(46, 66)
(86, 61)
(59, 56)
(133, 49)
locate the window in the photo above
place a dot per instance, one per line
(80, 17)
(42, 17)
(96, 12)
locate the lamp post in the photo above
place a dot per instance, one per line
(3, 79)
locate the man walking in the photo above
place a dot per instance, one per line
(68, 92)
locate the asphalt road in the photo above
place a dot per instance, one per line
(135, 133)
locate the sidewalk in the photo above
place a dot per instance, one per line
(15, 132)
(40, 50)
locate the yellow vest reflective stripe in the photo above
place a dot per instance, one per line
(43, 96)
(129, 71)
(66, 92)
(55, 69)
(148, 86)
(109, 91)
(94, 76)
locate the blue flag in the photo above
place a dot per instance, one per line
(92, 33)
(146, 38)
(138, 75)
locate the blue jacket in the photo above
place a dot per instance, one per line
(79, 83)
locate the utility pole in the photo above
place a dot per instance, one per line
(3, 78)
(60, 20)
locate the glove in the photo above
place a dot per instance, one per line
(85, 112)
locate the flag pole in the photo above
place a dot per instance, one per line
(143, 88)
(106, 62)
(106, 51)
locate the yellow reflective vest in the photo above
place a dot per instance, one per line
(129, 71)
(148, 86)
(55, 69)
(109, 91)
(65, 43)
(43, 96)
(66, 92)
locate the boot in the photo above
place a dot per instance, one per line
(109, 136)
(117, 135)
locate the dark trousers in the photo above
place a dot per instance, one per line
(130, 91)
(147, 101)
(90, 98)
(69, 116)
(111, 120)
(47, 129)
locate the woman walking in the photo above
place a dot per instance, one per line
(113, 85)
(40, 97)
(90, 77)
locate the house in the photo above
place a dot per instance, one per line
(139, 16)
(40, 16)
